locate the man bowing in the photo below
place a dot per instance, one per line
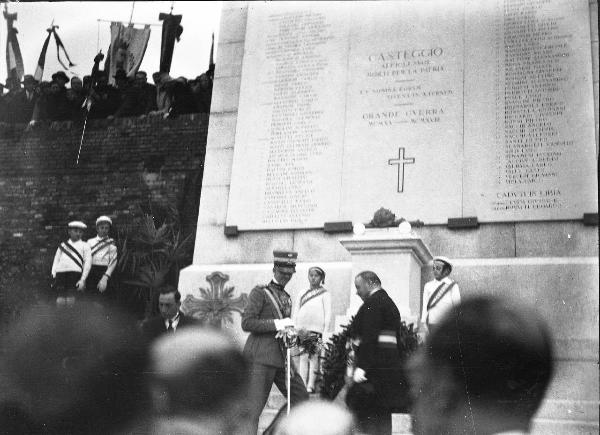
(378, 380)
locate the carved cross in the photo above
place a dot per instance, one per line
(216, 305)
(401, 161)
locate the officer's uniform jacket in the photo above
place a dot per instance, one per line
(258, 318)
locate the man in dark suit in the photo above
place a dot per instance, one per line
(268, 311)
(170, 318)
(378, 376)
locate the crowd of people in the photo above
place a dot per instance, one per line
(64, 98)
(81, 367)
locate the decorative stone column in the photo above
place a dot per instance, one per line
(397, 258)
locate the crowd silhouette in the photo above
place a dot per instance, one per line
(99, 96)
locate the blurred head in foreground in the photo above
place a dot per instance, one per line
(76, 370)
(317, 418)
(200, 382)
(483, 370)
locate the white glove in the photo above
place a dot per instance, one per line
(359, 375)
(281, 324)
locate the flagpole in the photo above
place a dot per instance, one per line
(132, 8)
(82, 133)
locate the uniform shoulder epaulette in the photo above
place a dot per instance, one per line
(260, 287)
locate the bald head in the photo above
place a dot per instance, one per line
(317, 418)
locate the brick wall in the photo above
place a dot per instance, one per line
(125, 164)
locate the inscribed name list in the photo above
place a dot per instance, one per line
(434, 109)
(289, 138)
(529, 115)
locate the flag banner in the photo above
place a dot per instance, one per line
(171, 30)
(39, 70)
(127, 49)
(14, 60)
(60, 46)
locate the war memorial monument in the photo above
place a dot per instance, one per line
(477, 118)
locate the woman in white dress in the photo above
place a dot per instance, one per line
(313, 315)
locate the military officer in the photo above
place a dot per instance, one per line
(268, 311)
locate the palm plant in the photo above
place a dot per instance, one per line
(151, 255)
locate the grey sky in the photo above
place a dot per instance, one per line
(83, 35)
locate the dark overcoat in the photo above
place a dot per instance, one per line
(380, 359)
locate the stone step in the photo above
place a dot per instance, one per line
(568, 410)
(543, 426)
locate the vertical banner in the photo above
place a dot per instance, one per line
(39, 69)
(171, 30)
(127, 48)
(14, 60)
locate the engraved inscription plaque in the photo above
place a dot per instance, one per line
(434, 109)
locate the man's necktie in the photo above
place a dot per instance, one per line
(170, 328)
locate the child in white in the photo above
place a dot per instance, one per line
(104, 258)
(72, 264)
(313, 314)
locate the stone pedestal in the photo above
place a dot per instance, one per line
(397, 258)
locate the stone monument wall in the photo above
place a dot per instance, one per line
(551, 263)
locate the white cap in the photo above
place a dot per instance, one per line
(443, 259)
(77, 224)
(104, 219)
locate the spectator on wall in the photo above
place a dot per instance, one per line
(53, 106)
(61, 79)
(163, 97)
(77, 85)
(201, 88)
(105, 98)
(182, 99)
(148, 92)
(21, 104)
